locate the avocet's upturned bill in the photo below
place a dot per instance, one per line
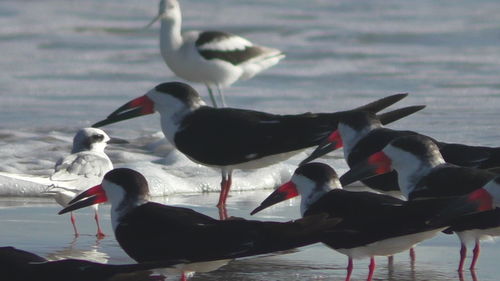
(371, 224)
(230, 138)
(84, 167)
(149, 231)
(217, 59)
(423, 173)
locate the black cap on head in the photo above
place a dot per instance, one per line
(417, 144)
(132, 181)
(179, 90)
(358, 119)
(318, 172)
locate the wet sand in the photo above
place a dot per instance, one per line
(32, 224)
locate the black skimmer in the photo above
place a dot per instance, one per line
(19, 265)
(423, 173)
(84, 167)
(371, 224)
(217, 59)
(361, 134)
(150, 231)
(230, 138)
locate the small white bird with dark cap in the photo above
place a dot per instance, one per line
(84, 167)
(216, 59)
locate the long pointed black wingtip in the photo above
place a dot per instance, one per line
(394, 115)
(382, 103)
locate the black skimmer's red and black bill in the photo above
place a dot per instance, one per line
(84, 167)
(150, 231)
(371, 224)
(361, 134)
(230, 138)
(423, 173)
(19, 265)
(215, 58)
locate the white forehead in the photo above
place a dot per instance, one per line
(88, 132)
(349, 136)
(114, 192)
(305, 185)
(396, 153)
(165, 101)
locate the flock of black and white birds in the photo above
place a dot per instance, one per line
(421, 186)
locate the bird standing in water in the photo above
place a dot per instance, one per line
(84, 167)
(216, 59)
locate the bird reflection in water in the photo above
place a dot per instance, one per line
(85, 252)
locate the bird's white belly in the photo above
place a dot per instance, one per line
(190, 65)
(481, 234)
(389, 246)
(253, 164)
(63, 198)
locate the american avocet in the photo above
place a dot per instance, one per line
(217, 59)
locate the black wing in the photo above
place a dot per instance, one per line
(158, 232)
(481, 157)
(482, 220)
(451, 180)
(227, 47)
(230, 136)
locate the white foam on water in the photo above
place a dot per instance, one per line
(29, 160)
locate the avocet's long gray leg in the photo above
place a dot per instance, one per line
(210, 92)
(222, 99)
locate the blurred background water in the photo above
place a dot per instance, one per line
(67, 64)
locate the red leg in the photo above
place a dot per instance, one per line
(222, 213)
(371, 267)
(390, 260)
(461, 276)
(183, 277)
(476, 252)
(463, 253)
(229, 182)
(473, 275)
(222, 198)
(225, 186)
(349, 269)
(72, 218)
(99, 234)
(412, 256)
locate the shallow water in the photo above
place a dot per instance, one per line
(67, 64)
(32, 225)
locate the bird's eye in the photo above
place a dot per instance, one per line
(98, 137)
